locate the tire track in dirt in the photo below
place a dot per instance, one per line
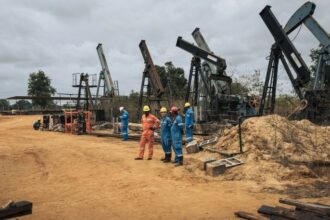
(39, 162)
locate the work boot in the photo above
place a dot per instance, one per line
(180, 162)
(138, 158)
(163, 159)
(149, 158)
(167, 158)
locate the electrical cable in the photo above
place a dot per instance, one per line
(297, 33)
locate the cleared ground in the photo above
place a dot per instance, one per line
(86, 177)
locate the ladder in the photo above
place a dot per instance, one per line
(207, 142)
(89, 104)
(116, 88)
(146, 93)
(193, 81)
(267, 103)
(228, 162)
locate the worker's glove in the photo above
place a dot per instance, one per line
(190, 126)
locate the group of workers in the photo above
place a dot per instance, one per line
(171, 128)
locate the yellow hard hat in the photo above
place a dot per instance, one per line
(163, 109)
(187, 104)
(146, 108)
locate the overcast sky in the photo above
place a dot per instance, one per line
(60, 37)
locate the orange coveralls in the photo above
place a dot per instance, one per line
(148, 123)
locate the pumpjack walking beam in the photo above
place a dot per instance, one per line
(150, 80)
(110, 87)
(289, 50)
(304, 15)
(199, 54)
(203, 54)
(195, 68)
(201, 42)
(283, 44)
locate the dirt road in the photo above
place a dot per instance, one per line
(86, 177)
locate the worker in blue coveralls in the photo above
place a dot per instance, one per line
(176, 135)
(165, 125)
(124, 123)
(188, 121)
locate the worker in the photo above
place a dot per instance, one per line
(188, 121)
(149, 124)
(124, 123)
(36, 124)
(176, 135)
(166, 124)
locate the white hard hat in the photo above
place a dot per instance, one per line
(121, 108)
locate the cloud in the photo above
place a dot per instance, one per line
(60, 37)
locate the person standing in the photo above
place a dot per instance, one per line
(149, 124)
(166, 124)
(124, 123)
(188, 121)
(176, 135)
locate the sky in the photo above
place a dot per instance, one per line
(60, 37)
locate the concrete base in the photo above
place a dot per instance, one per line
(192, 147)
(202, 163)
(215, 168)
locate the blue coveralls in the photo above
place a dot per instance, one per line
(124, 125)
(189, 124)
(176, 135)
(165, 124)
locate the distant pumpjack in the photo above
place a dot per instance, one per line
(110, 87)
(152, 89)
(209, 86)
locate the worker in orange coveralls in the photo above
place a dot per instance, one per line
(149, 124)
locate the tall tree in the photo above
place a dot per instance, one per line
(22, 105)
(248, 84)
(238, 88)
(314, 55)
(4, 104)
(40, 85)
(173, 79)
